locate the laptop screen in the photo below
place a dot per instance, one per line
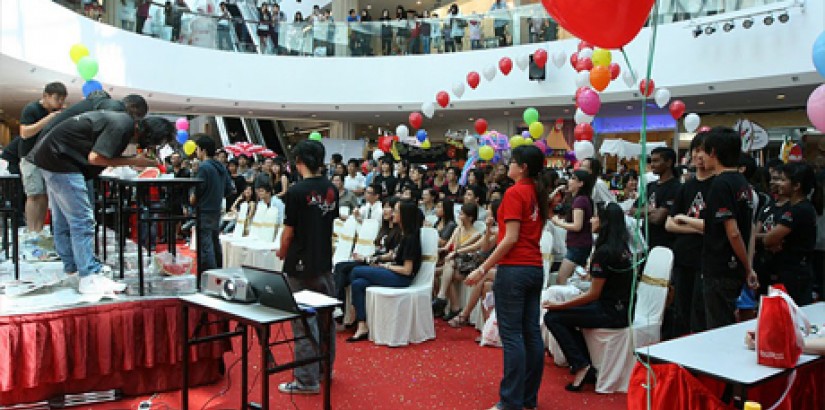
(272, 289)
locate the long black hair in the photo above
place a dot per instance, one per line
(613, 237)
(803, 174)
(411, 218)
(448, 206)
(587, 179)
(531, 156)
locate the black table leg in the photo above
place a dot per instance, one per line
(324, 333)
(244, 366)
(122, 223)
(184, 395)
(264, 342)
(15, 239)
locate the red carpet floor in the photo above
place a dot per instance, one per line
(451, 372)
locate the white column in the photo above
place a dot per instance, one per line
(341, 130)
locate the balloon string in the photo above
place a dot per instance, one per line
(629, 66)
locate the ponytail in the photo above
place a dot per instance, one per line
(534, 159)
(542, 194)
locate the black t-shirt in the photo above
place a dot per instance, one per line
(31, 114)
(409, 249)
(661, 196)
(311, 207)
(769, 216)
(457, 196)
(10, 153)
(617, 274)
(90, 104)
(690, 201)
(217, 184)
(730, 197)
(797, 246)
(388, 184)
(66, 148)
(239, 183)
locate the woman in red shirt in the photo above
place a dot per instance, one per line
(519, 279)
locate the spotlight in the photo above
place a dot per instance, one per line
(768, 20)
(784, 17)
(710, 30)
(697, 32)
(728, 27)
(747, 23)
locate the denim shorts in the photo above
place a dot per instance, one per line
(578, 255)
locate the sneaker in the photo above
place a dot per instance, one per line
(96, 284)
(71, 280)
(295, 387)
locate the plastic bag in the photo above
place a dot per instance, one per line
(489, 332)
(172, 265)
(780, 330)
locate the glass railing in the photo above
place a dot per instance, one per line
(319, 37)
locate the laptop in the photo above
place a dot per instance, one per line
(272, 289)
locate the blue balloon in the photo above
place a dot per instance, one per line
(91, 86)
(183, 135)
(421, 135)
(819, 54)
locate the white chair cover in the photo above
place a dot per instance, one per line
(365, 242)
(546, 247)
(399, 316)
(611, 350)
(430, 220)
(343, 211)
(261, 235)
(346, 240)
(240, 221)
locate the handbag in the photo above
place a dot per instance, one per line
(467, 262)
(780, 330)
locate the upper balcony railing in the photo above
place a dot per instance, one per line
(242, 29)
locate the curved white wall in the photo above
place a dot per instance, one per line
(39, 33)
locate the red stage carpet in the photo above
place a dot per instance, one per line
(451, 372)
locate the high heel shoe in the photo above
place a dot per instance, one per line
(361, 337)
(589, 378)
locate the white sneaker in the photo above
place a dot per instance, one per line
(96, 284)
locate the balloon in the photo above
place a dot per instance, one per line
(505, 65)
(602, 57)
(584, 44)
(583, 132)
(583, 149)
(645, 88)
(585, 53)
(489, 73)
(530, 115)
(819, 54)
(87, 68)
(189, 147)
(574, 60)
(481, 125)
(522, 62)
(416, 119)
(600, 78)
(583, 79)
(473, 79)
(692, 122)
(385, 144)
(525, 134)
(703, 128)
(471, 143)
(425, 144)
(536, 130)
(540, 57)
(486, 153)
(77, 52)
(615, 69)
(816, 108)
(90, 87)
(467, 166)
(182, 136)
(677, 109)
(515, 141)
(402, 131)
(377, 154)
(315, 136)
(629, 77)
(541, 145)
(458, 89)
(428, 109)
(578, 93)
(662, 97)
(558, 59)
(606, 24)
(442, 98)
(421, 135)
(584, 63)
(582, 118)
(181, 124)
(570, 155)
(589, 102)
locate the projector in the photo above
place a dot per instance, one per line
(230, 284)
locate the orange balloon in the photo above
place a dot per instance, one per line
(600, 77)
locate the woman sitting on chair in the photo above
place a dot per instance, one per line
(395, 271)
(248, 196)
(605, 305)
(462, 257)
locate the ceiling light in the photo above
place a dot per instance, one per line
(697, 31)
(470, 119)
(377, 115)
(784, 17)
(780, 96)
(728, 27)
(567, 111)
(314, 115)
(506, 112)
(629, 107)
(747, 23)
(710, 30)
(768, 20)
(700, 103)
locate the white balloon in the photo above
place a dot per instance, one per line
(582, 79)
(662, 97)
(583, 149)
(692, 122)
(402, 131)
(377, 154)
(470, 142)
(458, 89)
(586, 53)
(582, 118)
(522, 62)
(628, 77)
(559, 58)
(490, 73)
(428, 108)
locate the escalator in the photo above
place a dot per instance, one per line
(265, 132)
(271, 137)
(247, 42)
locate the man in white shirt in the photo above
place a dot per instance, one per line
(354, 181)
(372, 209)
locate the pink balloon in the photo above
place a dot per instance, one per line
(589, 101)
(182, 124)
(541, 145)
(816, 108)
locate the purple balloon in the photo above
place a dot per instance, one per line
(526, 134)
(589, 102)
(570, 156)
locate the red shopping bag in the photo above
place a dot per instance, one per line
(780, 329)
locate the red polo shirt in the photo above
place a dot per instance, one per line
(519, 204)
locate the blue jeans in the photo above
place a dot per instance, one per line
(209, 244)
(365, 276)
(73, 222)
(565, 324)
(425, 44)
(517, 291)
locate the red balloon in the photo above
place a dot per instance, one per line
(473, 79)
(677, 109)
(540, 57)
(416, 119)
(505, 65)
(395, 138)
(584, 64)
(583, 132)
(615, 70)
(605, 24)
(443, 99)
(364, 167)
(584, 44)
(385, 144)
(647, 89)
(574, 60)
(481, 126)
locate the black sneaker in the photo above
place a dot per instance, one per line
(438, 307)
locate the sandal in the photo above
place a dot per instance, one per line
(450, 316)
(459, 321)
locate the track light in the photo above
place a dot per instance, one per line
(697, 31)
(768, 20)
(728, 27)
(747, 23)
(710, 30)
(784, 17)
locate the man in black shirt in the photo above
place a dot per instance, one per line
(306, 248)
(10, 154)
(726, 265)
(209, 196)
(660, 196)
(78, 149)
(35, 116)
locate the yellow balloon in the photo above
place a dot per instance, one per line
(189, 147)
(77, 52)
(486, 153)
(536, 129)
(602, 57)
(516, 140)
(426, 144)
